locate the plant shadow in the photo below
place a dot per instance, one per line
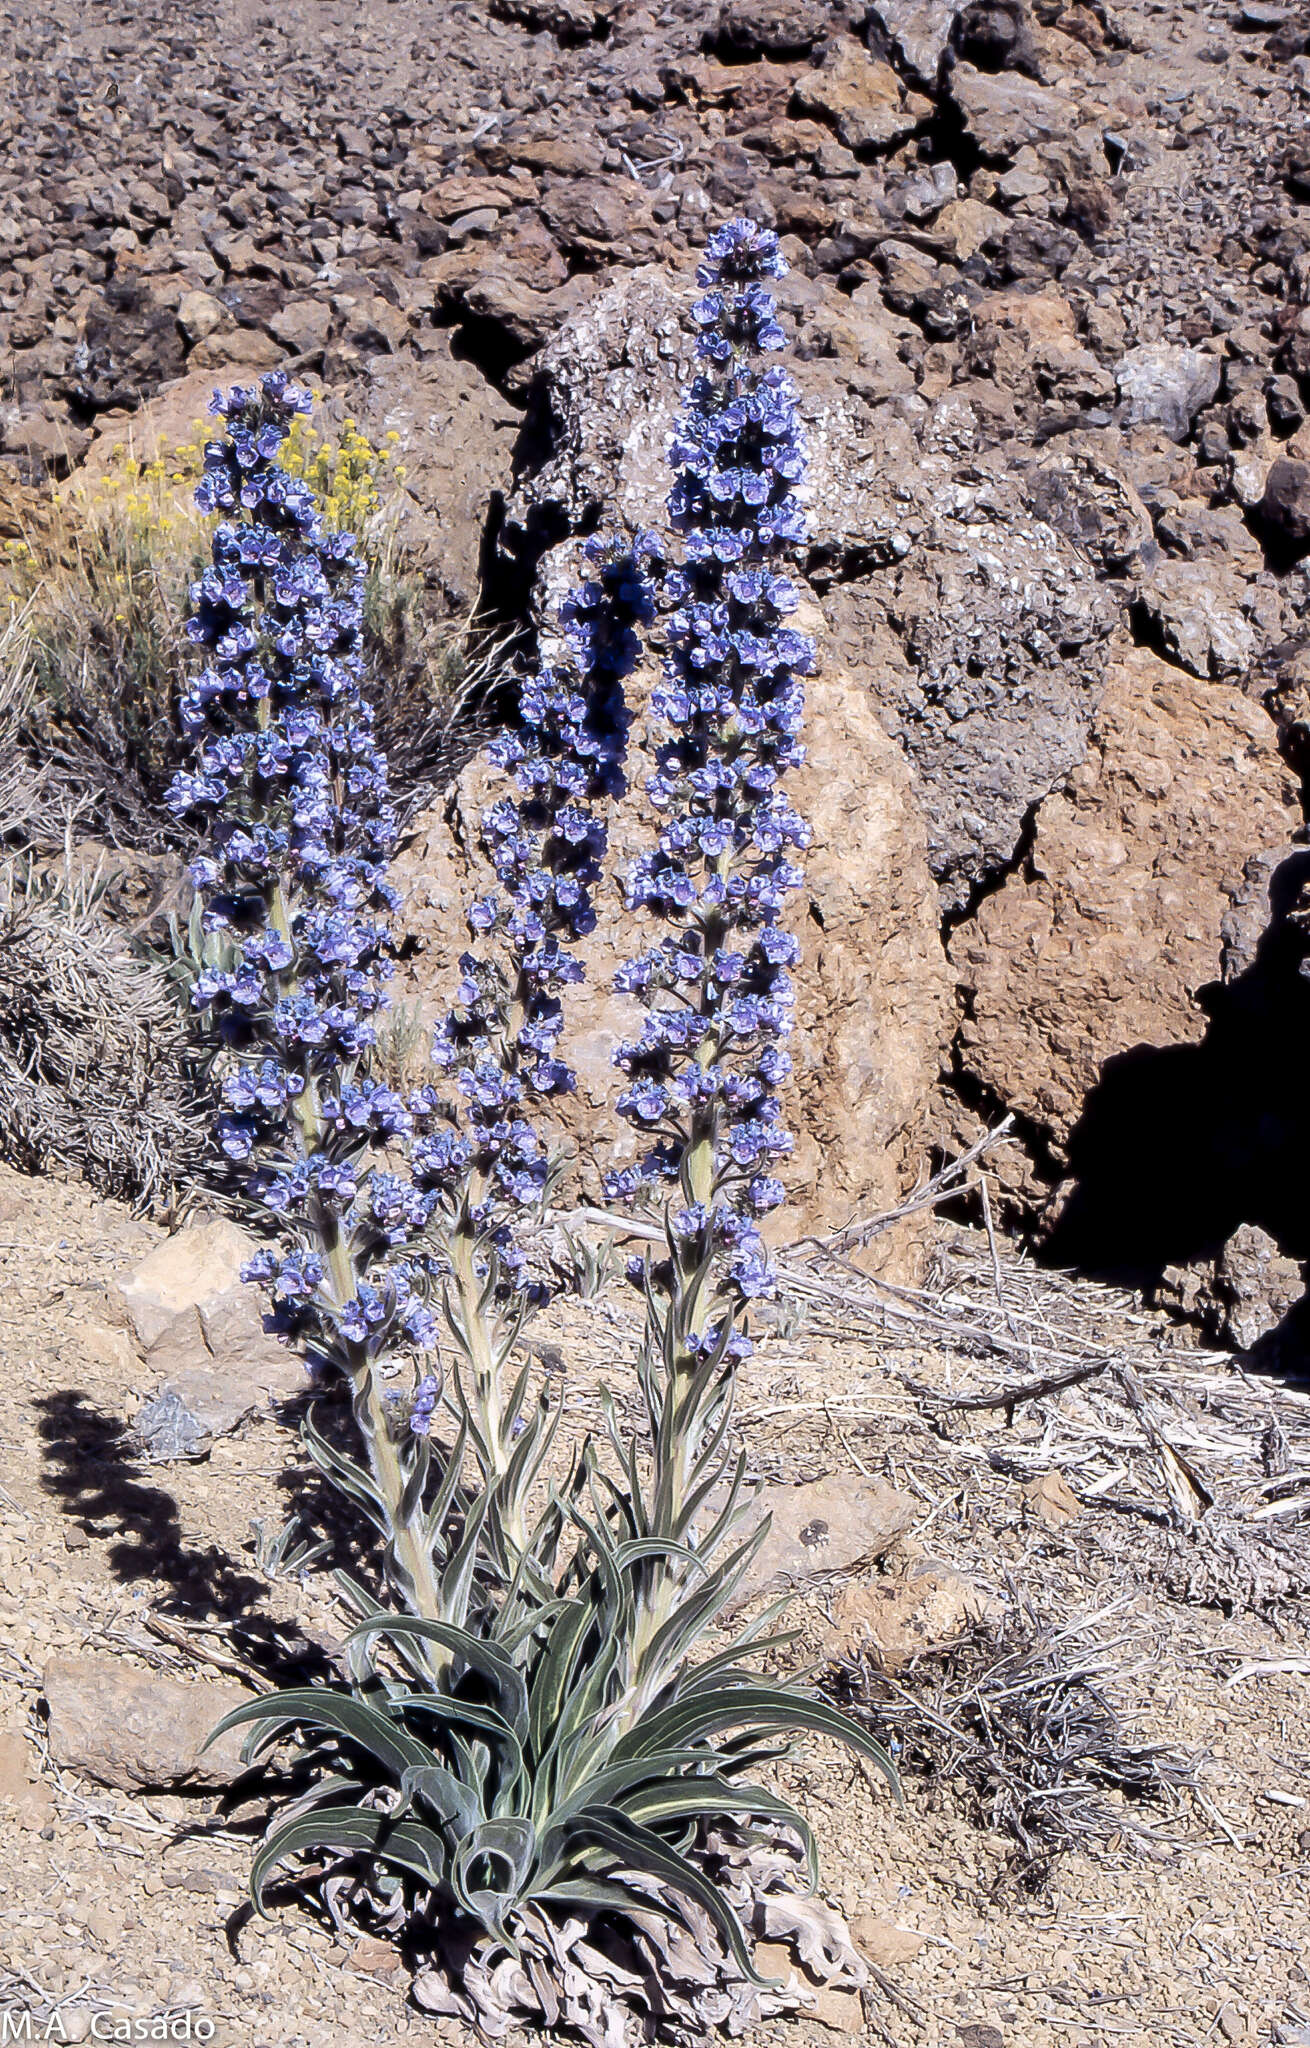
(99, 1476)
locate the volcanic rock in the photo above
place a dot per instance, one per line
(1113, 923)
(140, 1730)
(1165, 386)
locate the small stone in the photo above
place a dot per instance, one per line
(480, 221)
(590, 212)
(978, 2035)
(242, 350)
(1005, 112)
(920, 31)
(883, 1943)
(1051, 1499)
(901, 1618)
(1162, 384)
(838, 2007)
(75, 1537)
(167, 1430)
(198, 314)
(303, 325)
(836, 1524)
(858, 96)
(137, 1729)
(201, 1327)
(376, 1958)
(774, 28)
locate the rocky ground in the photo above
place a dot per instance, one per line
(1049, 299)
(141, 1596)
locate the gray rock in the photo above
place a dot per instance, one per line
(1242, 1295)
(1196, 608)
(1165, 385)
(778, 28)
(1255, 1284)
(167, 1430)
(919, 31)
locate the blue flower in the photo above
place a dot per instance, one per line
(546, 840)
(732, 704)
(293, 789)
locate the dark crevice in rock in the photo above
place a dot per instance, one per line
(948, 141)
(513, 550)
(492, 350)
(1178, 1145)
(1148, 630)
(996, 877)
(983, 1103)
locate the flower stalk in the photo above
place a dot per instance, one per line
(546, 842)
(547, 1768)
(704, 1073)
(295, 911)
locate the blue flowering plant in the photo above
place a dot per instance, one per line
(545, 841)
(703, 1076)
(541, 1769)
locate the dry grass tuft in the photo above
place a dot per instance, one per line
(98, 590)
(97, 1071)
(1019, 1724)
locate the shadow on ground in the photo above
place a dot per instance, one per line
(104, 1487)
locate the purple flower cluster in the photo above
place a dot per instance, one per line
(704, 1073)
(293, 884)
(546, 842)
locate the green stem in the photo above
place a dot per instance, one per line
(488, 1391)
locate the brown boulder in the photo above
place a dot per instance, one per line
(839, 1524)
(1005, 112)
(456, 437)
(859, 97)
(200, 1328)
(139, 1729)
(588, 214)
(899, 1617)
(872, 988)
(1102, 940)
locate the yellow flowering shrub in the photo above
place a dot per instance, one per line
(101, 581)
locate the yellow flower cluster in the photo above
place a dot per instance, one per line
(345, 473)
(132, 529)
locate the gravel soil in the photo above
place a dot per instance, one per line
(136, 1902)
